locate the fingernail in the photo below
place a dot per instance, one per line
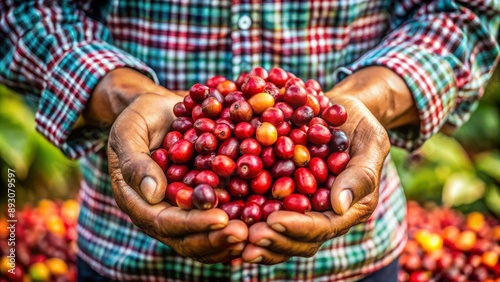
(264, 243)
(217, 226)
(235, 252)
(256, 260)
(148, 188)
(278, 227)
(231, 239)
(345, 198)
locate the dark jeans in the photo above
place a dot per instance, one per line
(386, 274)
(87, 274)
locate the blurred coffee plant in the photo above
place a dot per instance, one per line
(461, 170)
(42, 171)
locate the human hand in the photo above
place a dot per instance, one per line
(139, 183)
(354, 196)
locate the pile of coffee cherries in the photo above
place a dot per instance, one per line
(266, 142)
(41, 244)
(446, 245)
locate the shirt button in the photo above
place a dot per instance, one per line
(244, 22)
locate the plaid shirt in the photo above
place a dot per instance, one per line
(55, 52)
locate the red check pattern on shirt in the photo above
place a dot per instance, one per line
(55, 52)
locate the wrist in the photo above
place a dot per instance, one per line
(114, 92)
(383, 92)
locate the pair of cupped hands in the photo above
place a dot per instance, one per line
(140, 113)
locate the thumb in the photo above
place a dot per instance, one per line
(368, 151)
(351, 185)
(361, 176)
(145, 176)
(131, 139)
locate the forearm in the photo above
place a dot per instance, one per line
(116, 90)
(77, 53)
(383, 92)
(444, 51)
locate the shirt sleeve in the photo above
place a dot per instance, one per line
(445, 51)
(52, 52)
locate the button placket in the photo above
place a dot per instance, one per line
(245, 36)
(236, 38)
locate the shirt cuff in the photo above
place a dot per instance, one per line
(68, 89)
(430, 80)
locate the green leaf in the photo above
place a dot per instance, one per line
(399, 156)
(15, 110)
(16, 146)
(17, 133)
(482, 131)
(488, 163)
(462, 188)
(445, 150)
(423, 184)
(492, 199)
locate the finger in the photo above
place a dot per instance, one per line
(319, 227)
(132, 137)
(208, 243)
(309, 227)
(260, 234)
(163, 220)
(181, 93)
(225, 255)
(358, 213)
(256, 254)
